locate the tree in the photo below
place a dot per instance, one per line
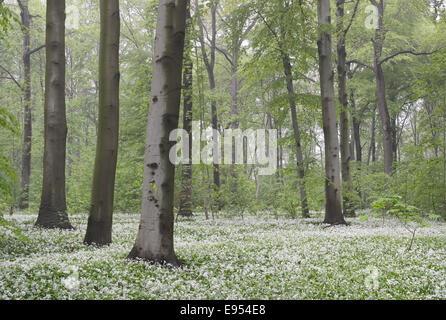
(99, 229)
(388, 129)
(53, 207)
(343, 100)
(154, 241)
(209, 61)
(186, 172)
(333, 209)
(26, 88)
(282, 38)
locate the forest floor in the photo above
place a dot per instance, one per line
(253, 258)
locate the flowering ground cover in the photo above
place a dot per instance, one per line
(253, 258)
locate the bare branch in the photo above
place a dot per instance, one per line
(407, 52)
(355, 11)
(361, 64)
(12, 77)
(226, 55)
(36, 49)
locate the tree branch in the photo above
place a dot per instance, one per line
(361, 63)
(352, 19)
(227, 55)
(36, 49)
(407, 52)
(12, 77)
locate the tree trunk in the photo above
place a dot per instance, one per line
(378, 43)
(99, 229)
(333, 209)
(53, 208)
(186, 173)
(357, 134)
(297, 140)
(387, 134)
(234, 89)
(27, 116)
(344, 120)
(155, 241)
(372, 147)
(210, 65)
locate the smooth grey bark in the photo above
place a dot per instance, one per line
(53, 208)
(185, 195)
(155, 240)
(99, 228)
(333, 208)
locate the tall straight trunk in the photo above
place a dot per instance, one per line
(333, 208)
(186, 173)
(53, 208)
(155, 240)
(210, 66)
(99, 228)
(356, 130)
(386, 124)
(344, 114)
(235, 124)
(357, 135)
(297, 139)
(378, 43)
(234, 88)
(352, 145)
(27, 114)
(372, 147)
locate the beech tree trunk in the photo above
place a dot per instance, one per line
(378, 43)
(344, 114)
(99, 228)
(155, 241)
(185, 196)
(210, 66)
(53, 208)
(27, 114)
(333, 208)
(297, 140)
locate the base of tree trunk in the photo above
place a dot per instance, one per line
(340, 222)
(306, 214)
(169, 259)
(350, 214)
(98, 233)
(23, 206)
(53, 220)
(185, 213)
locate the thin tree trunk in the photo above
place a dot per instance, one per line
(155, 240)
(27, 116)
(387, 135)
(378, 43)
(53, 207)
(186, 173)
(297, 140)
(99, 229)
(372, 147)
(344, 119)
(333, 208)
(210, 65)
(357, 134)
